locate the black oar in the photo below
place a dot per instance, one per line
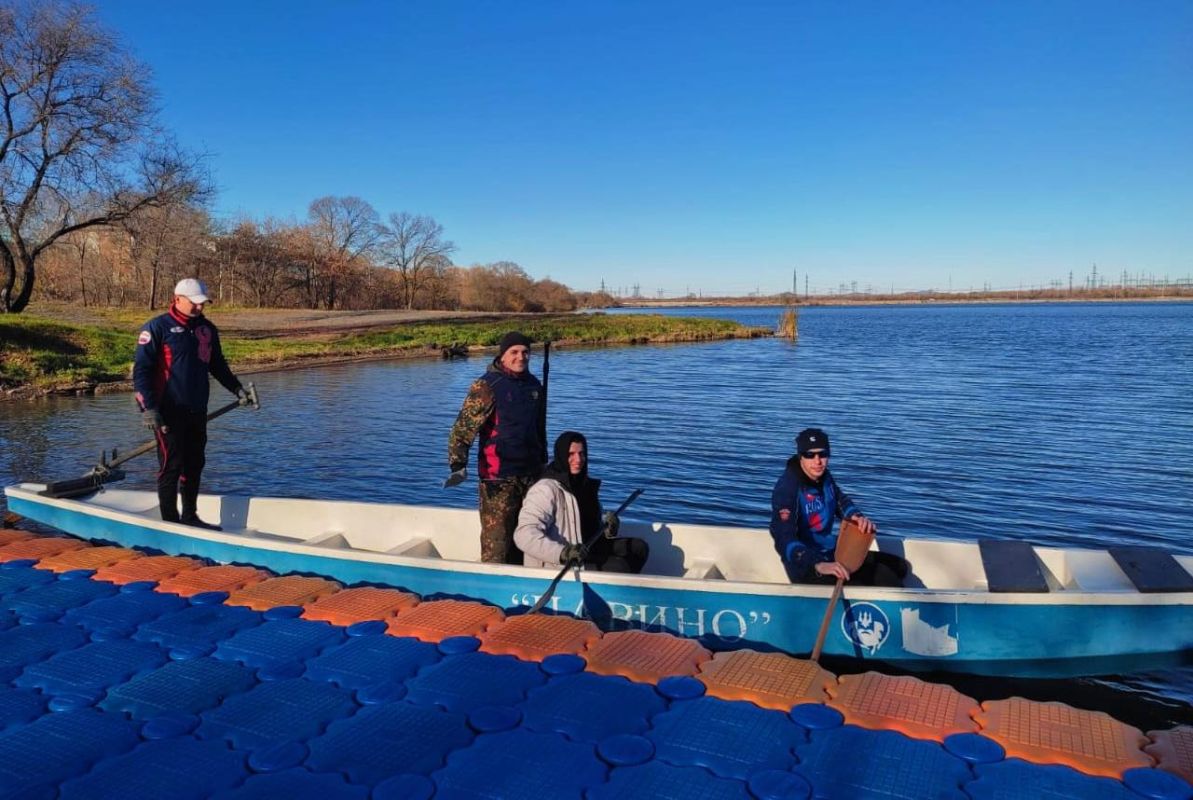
(106, 471)
(543, 406)
(542, 601)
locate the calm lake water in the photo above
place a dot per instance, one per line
(1058, 424)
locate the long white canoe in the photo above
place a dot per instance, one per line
(998, 608)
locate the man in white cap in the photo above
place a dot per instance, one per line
(175, 353)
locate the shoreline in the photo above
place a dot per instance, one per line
(68, 346)
(775, 302)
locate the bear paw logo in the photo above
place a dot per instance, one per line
(866, 625)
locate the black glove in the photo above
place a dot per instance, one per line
(571, 552)
(458, 476)
(612, 525)
(152, 419)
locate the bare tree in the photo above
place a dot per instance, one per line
(82, 247)
(259, 257)
(413, 246)
(502, 286)
(78, 143)
(168, 242)
(344, 233)
(549, 295)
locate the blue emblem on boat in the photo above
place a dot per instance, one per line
(866, 625)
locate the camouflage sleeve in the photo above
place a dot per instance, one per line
(478, 405)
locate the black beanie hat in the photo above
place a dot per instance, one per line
(811, 439)
(509, 340)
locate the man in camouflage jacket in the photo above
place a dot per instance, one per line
(503, 408)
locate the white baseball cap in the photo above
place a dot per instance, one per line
(192, 289)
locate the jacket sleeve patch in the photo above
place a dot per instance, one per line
(144, 338)
(784, 514)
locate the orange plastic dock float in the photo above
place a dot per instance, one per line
(645, 657)
(533, 637)
(148, 568)
(769, 680)
(10, 535)
(1054, 733)
(39, 548)
(888, 745)
(360, 604)
(1173, 751)
(223, 578)
(436, 620)
(901, 703)
(88, 558)
(288, 590)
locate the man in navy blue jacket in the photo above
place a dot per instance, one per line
(805, 504)
(175, 353)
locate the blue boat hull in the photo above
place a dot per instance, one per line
(917, 630)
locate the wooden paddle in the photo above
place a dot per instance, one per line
(852, 546)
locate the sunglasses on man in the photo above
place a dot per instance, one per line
(819, 454)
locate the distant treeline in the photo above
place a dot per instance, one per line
(343, 256)
(1153, 290)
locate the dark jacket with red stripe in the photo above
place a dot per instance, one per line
(174, 355)
(504, 409)
(802, 515)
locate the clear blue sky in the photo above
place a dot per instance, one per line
(707, 146)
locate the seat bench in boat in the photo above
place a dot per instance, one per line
(1011, 566)
(1152, 570)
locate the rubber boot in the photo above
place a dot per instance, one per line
(190, 515)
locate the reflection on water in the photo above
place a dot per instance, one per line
(1066, 424)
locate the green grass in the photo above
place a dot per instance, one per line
(46, 353)
(569, 329)
(39, 351)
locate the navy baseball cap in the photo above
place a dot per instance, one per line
(810, 439)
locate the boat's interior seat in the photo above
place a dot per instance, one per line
(415, 547)
(1012, 566)
(332, 539)
(1152, 570)
(703, 569)
(272, 537)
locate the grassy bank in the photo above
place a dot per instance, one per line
(40, 355)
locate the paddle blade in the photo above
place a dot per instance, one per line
(78, 487)
(852, 545)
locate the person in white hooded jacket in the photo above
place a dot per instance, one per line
(562, 511)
